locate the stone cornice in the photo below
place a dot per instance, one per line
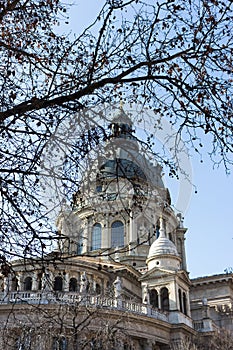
(212, 279)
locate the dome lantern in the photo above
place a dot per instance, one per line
(121, 125)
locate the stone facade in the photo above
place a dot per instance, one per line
(119, 267)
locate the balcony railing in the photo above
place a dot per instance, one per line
(82, 300)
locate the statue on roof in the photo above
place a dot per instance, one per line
(117, 287)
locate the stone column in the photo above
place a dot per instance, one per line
(159, 300)
(181, 236)
(131, 234)
(66, 280)
(184, 264)
(127, 231)
(20, 281)
(6, 284)
(93, 286)
(91, 283)
(34, 282)
(105, 233)
(78, 281)
(85, 236)
(7, 287)
(188, 304)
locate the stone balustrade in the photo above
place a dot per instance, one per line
(198, 325)
(82, 300)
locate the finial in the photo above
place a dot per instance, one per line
(162, 228)
(121, 104)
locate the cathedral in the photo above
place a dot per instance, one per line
(117, 278)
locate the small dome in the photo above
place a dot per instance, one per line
(163, 252)
(162, 246)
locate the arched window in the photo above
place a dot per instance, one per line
(58, 283)
(154, 298)
(15, 284)
(73, 285)
(180, 300)
(97, 289)
(117, 234)
(28, 283)
(96, 237)
(164, 299)
(185, 303)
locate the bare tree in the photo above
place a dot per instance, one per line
(68, 325)
(220, 339)
(217, 340)
(173, 56)
(186, 344)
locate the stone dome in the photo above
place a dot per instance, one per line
(163, 252)
(162, 246)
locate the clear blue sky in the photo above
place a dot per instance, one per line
(209, 240)
(210, 231)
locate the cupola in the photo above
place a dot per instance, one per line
(163, 252)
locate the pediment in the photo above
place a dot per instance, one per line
(157, 273)
(184, 276)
